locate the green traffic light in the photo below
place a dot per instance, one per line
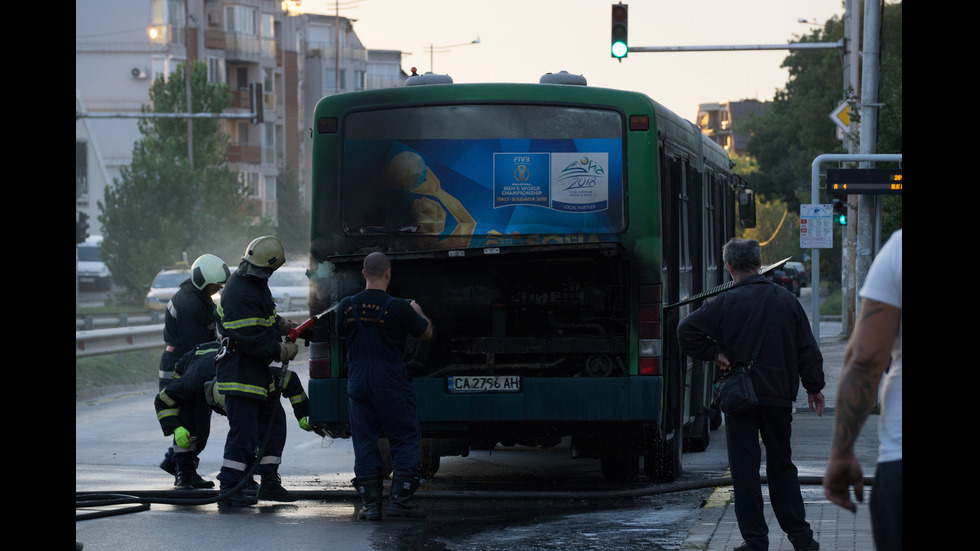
(842, 219)
(619, 49)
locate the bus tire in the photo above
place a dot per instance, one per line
(619, 467)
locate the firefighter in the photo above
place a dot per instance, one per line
(252, 339)
(190, 319)
(184, 409)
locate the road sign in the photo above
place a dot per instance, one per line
(816, 227)
(842, 116)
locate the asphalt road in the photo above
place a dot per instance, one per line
(512, 498)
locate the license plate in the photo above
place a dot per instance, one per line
(489, 383)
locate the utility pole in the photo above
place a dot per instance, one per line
(187, 81)
(868, 230)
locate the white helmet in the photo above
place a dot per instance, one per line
(265, 252)
(209, 269)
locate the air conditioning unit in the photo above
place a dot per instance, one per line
(137, 73)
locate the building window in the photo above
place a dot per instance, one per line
(269, 143)
(269, 200)
(81, 170)
(216, 69)
(330, 81)
(240, 19)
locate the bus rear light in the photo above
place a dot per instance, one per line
(649, 321)
(649, 366)
(650, 347)
(320, 368)
(639, 123)
(326, 125)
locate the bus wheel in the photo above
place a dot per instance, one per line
(428, 459)
(660, 459)
(700, 436)
(619, 467)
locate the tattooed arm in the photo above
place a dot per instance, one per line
(865, 361)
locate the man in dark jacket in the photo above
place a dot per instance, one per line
(725, 331)
(253, 334)
(382, 396)
(184, 408)
(189, 320)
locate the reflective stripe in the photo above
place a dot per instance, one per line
(249, 322)
(297, 399)
(232, 386)
(270, 460)
(171, 308)
(166, 399)
(235, 465)
(165, 374)
(164, 413)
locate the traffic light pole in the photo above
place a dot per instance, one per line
(815, 199)
(734, 48)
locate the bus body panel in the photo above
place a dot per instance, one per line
(566, 293)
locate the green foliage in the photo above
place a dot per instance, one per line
(294, 220)
(777, 230)
(797, 128)
(165, 204)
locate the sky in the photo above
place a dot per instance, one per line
(520, 40)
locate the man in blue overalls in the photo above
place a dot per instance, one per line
(382, 395)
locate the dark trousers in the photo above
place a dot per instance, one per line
(744, 458)
(383, 397)
(196, 418)
(886, 506)
(248, 421)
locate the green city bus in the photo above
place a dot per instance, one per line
(549, 231)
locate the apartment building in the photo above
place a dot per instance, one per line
(294, 59)
(720, 122)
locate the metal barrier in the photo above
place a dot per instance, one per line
(98, 342)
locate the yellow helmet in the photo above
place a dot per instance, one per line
(265, 252)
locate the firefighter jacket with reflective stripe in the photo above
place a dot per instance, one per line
(193, 388)
(194, 369)
(190, 320)
(251, 326)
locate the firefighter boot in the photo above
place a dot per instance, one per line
(270, 489)
(187, 479)
(403, 486)
(370, 489)
(236, 499)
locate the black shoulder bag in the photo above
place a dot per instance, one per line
(734, 388)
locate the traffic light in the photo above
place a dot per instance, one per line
(840, 209)
(81, 226)
(620, 16)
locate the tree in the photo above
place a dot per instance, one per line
(294, 220)
(162, 206)
(797, 128)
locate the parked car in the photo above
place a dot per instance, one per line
(165, 284)
(290, 288)
(801, 270)
(788, 278)
(91, 269)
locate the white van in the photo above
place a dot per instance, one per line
(91, 269)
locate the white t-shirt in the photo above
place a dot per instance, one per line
(884, 284)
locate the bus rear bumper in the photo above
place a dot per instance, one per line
(556, 400)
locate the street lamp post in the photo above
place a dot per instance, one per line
(443, 49)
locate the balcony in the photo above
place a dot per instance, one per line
(248, 154)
